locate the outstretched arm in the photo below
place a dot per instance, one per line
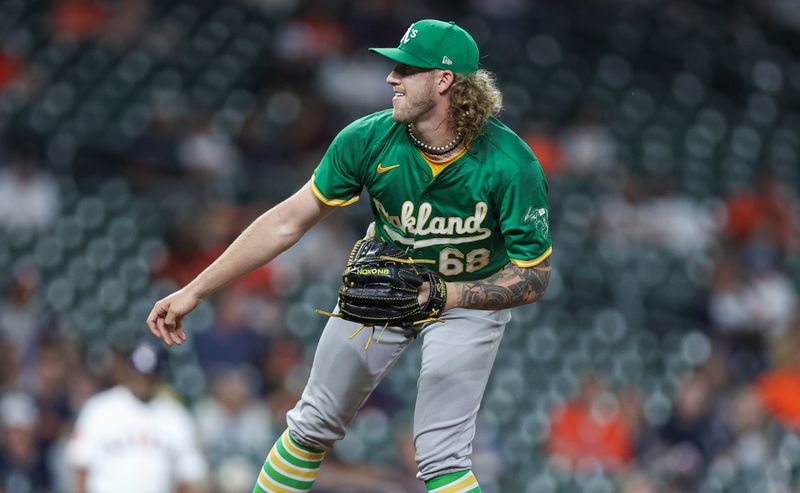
(512, 286)
(266, 237)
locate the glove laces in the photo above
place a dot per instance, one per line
(383, 329)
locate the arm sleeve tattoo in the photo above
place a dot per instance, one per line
(512, 286)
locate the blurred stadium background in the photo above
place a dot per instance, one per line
(140, 136)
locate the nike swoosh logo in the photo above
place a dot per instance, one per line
(381, 169)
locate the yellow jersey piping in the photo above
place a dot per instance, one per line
(332, 202)
(532, 263)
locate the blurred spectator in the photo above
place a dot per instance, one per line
(133, 439)
(308, 38)
(637, 482)
(728, 298)
(17, 75)
(22, 312)
(155, 154)
(731, 314)
(746, 422)
(541, 137)
(675, 222)
(691, 431)
(588, 144)
(751, 303)
(23, 467)
(29, 197)
(231, 424)
(279, 358)
(655, 216)
(773, 296)
(80, 386)
(125, 21)
(233, 475)
(196, 243)
(306, 258)
(254, 142)
(778, 387)
(298, 118)
(22, 80)
(283, 398)
(206, 151)
(231, 341)
(77, 19)
(337, 476)
(49, 384)
(591, 428)
(9, 365)
(9, 68)
(764, 215)
(355, 83)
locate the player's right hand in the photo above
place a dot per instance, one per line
(166, 317)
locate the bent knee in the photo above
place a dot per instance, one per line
(313, 427)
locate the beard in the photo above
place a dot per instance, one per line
(410, 107)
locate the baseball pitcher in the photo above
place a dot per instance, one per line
(460, 236)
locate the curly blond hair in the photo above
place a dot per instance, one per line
(473, 99)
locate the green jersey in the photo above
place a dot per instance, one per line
(486, 208)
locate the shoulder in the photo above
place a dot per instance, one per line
(504, 145)
(171, 410)
(105, 402)
(508, 152)
(369, 127)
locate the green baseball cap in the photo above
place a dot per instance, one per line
(431, 43)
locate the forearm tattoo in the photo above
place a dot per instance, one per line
(512, 286)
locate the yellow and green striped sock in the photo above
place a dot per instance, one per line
(289, 468)
(455, 482)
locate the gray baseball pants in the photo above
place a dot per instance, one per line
(457, 358)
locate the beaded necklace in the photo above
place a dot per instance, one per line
(434, 150)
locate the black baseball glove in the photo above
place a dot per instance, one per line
(380, 286)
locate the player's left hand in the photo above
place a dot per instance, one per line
(424, 293)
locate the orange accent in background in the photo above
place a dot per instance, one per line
(548, 151)
(78, 18)
(576, 435)
(780, 396)
(9, 68)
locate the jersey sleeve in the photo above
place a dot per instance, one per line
(336, 180)
(525, 217)
(82, 443)
(190, 464)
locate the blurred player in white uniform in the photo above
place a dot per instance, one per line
(129, 439)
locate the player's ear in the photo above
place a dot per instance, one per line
(444, 81)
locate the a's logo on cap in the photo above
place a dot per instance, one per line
(446, 61)
(410, 33)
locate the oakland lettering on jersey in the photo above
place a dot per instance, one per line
(422, 224)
